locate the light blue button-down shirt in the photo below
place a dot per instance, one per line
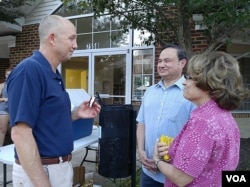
(164, 111)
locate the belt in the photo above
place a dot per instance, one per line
(49, 161)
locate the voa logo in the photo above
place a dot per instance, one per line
(236, 178)
(232, 178)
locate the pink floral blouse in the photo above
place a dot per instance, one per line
(208, 144)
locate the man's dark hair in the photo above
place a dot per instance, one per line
(181, 53)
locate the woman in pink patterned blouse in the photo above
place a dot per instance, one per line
(210, 141)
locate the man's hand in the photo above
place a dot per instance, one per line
(84, 111)
(146, 162)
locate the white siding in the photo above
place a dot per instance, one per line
(42, 9)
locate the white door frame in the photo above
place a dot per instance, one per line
(91, 56)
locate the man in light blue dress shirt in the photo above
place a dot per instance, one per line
(164, 111)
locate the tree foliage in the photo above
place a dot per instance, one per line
(171, 20)
(10, 9)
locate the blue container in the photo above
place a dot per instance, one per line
(82, 128)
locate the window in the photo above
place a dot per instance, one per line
(245, 71)
(142, 72)
(94, 33)
(99, 33)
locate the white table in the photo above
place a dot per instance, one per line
(86, 141)
(7, 152)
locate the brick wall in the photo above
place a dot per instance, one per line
(26, 42)
(157, 53)
(4, 65)
(199, 41)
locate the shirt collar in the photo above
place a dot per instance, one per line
(46, 65)
(178, 83)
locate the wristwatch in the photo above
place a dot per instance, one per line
(157, 162)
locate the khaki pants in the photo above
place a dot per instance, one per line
(60, 175)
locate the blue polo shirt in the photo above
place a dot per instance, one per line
(37, 97)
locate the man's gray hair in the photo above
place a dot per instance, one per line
(48, 24)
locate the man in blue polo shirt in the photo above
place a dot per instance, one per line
(40, 110)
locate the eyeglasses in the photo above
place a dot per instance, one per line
(187, 77)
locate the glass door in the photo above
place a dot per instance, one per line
(75, 73)
(108, 73)
(112, 76)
